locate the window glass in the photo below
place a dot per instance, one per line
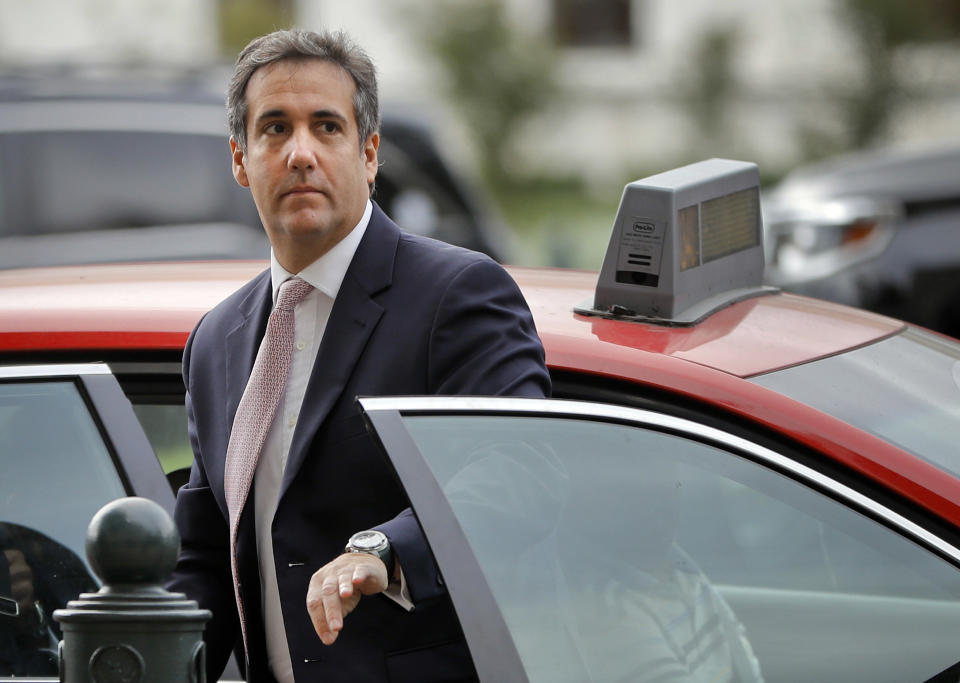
(593, 23)
(905, 389)
(621, 553)
(166, 427)
(57, 472)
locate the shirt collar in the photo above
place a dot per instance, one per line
(328, 271)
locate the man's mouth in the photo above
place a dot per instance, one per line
(300, 190)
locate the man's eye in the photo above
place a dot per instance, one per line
(329, 127)
(274, 129)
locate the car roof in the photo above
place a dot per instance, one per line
(148, 306)
(156, 305)
(750, 337)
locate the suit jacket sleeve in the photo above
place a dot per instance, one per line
(203, 566)
(483, 342)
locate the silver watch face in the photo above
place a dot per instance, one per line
(367, 540)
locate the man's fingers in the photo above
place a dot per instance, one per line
(360, 575)
(332, 611)
(323, 605)
(336, 588)
(346, 585)
(371, 576)
(315, 607)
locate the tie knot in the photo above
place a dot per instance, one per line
(292, 292)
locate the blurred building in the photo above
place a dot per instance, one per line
(647, 83)
(633, 73)
(174, 32)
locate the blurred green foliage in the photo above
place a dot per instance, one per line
(710, 86)
(496, 75)
(895, 22)
(558, 222)
(243, 20)
(878, 28)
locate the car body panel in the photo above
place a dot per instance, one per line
(138, 317)
(125, 304)
(143, 306)
(155, 306)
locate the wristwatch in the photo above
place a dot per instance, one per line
(372, 542)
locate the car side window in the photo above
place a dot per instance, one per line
(57, 472)
(622, 552)
(166, 427)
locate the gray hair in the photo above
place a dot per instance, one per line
(336, 48)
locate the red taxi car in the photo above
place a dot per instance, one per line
(732, 484)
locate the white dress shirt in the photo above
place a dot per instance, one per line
(326, 275)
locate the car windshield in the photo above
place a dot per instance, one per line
(905, 390)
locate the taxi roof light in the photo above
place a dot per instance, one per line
(685, 243)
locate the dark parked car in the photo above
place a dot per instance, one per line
(137, 168)
(755, 484)
(879, 230)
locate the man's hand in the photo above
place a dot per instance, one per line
(21, 579)
(336, 588)
(21, 585)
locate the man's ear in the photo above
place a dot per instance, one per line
(239, 170)
(370, 161)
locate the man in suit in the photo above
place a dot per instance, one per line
(386, 313)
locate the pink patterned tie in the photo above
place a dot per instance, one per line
(256, 411)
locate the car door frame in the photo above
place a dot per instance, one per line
(133, 456)
(494, 653)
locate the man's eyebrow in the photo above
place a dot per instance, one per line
(322, 114)
(271, 114)
(329, 114)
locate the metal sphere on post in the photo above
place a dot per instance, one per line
(132, 630)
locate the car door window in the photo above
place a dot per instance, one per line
(166, 427)
(154, 387)
(626, 552)
(56, 473)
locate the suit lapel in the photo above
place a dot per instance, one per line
(243, 341)
(354, 316)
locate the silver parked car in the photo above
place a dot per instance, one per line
(134, 166)
(877, 230)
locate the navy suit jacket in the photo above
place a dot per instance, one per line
(413, 316)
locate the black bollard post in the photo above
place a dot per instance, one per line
(132, 630)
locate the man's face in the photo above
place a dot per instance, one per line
(304, 163)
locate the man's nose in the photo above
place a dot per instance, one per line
(301, 155)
